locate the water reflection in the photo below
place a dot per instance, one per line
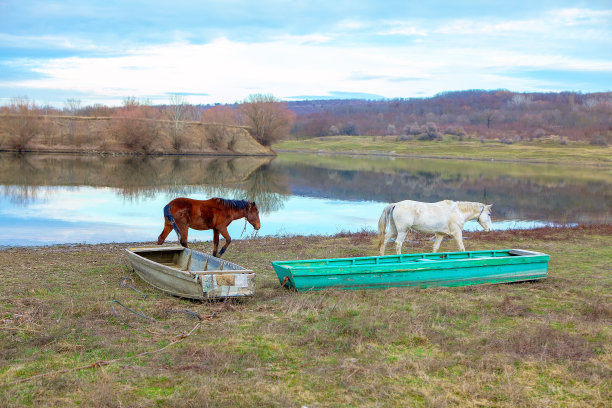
(519, 191)
(142, 177)
(48, 198)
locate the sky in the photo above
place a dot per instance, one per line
(207, 52)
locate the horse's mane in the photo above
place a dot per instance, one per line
(469, 205)
(235, 204)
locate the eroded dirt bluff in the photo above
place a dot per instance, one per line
(116, 135)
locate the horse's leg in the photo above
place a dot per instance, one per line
(384, 244)
(388, 236)
(439, 238)
(215, 241)
(228, 239)
(164, 234)
(184, 230)
(459, 240)
(399, 241)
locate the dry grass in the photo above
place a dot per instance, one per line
(544, 343)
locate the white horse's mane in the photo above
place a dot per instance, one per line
(466, 206)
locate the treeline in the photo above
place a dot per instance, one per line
(261, 120)
(501, 114)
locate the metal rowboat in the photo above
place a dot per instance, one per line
(191, 274)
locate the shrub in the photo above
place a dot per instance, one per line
(599, 140)
(456, 131)
(215, 135)
(134, 131)
(430, 132)
(349, 129)
(412, 130)
(221, 137)
(403, 138)
(538, 133)
(22, 125)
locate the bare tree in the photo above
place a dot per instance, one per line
(176, 111)
(23, 124)
(72, 106)
(269, 119)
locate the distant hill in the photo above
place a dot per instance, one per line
(476, 113)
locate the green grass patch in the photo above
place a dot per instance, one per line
(537, 151)
(544, 343)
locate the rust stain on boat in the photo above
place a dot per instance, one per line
(226, 280)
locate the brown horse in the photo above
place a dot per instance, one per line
(216, 214)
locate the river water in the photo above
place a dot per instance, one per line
(61, 199)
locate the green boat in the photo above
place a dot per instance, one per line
(422, 270)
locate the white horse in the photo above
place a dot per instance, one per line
(444, 218)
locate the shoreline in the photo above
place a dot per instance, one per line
(491, 235)
(536, 153)
(115, 153)
(416, 156)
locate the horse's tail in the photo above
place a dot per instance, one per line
(170, 219)
(385, 218)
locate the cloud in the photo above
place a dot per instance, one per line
(350, 25)
(576, 16)
(408, 28)
(46, 42)
(560, 78)
(227, 71)
(579, 21)
(364, 48)
(304, 39)
(336, 95)
(358, 76)
(186, 94)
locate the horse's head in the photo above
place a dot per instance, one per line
(484, 218)
(252, 215)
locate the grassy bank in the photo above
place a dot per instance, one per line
(546, 151)
(545, 343)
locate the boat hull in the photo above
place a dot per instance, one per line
(191, 274)
(422, 270)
